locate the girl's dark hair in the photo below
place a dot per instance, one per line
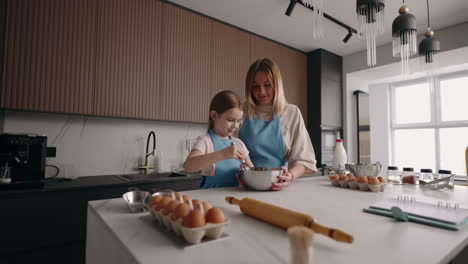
(222, 102)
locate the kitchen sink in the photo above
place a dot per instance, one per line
(152, 176)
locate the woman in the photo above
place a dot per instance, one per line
(273, 130)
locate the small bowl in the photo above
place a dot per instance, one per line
(136, 200)
(364, 169)
(259, 178)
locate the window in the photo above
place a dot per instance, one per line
(430, 126)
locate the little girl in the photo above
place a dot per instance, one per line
(218, 154)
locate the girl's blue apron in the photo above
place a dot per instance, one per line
(225, 170)
(264, 141)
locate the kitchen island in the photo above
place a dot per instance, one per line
(116, 236)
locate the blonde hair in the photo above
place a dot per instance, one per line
(271, 69)
(222, 102)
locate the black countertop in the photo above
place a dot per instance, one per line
(90, 182)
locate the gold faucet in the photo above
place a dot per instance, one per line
(145, 167)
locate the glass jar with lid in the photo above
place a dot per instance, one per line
(409, 176)
(446, 173)
(393, 175)
(426, 175)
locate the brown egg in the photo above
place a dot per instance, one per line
(334, 177)
(194, 219)
(170, 207)
(195, 203)
(381, 179)
(182, 210)
(163, 203)
(362, 179)
(214, 215)
(353, 179)
(206, 206)
(155, 200)
(373, 180)
(369, 177)
(343, 178)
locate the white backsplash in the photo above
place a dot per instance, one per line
(89, 146)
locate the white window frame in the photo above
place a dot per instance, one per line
(436, 114)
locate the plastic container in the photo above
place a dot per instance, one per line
(393, 175)
(444, 174)
(426, 175)
(340, 158)
(409, 176)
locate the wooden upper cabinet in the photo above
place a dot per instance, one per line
(134, 59)
(263, 48)
(49, 55)
(186, 66)
(128, 59)
(231, 57)
(293, 67)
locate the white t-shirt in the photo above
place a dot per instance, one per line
(205, 145)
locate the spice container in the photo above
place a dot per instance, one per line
(409, 176)
(393, 175)
(444, 174)
(426, 175)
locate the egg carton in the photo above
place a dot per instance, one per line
(359, 186)
(191, 235)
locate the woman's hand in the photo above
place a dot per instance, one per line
(284, 180)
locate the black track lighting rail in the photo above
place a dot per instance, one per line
(293, 3)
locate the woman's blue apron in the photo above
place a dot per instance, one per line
(225, 170)
(264, 141)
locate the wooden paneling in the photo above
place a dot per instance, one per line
(186, 71)
(49, 55)
(293, 66)
(128, 58)
(263, 48)
(231, 58)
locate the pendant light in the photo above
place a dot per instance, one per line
(404, 33)
(317, 17)
(370, 16)
(428, 52)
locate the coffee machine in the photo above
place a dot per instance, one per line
(22, 159)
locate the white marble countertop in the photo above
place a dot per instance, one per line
(377, 239)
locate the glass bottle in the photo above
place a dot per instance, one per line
(427, 175)
(340, 158)
(393, 175)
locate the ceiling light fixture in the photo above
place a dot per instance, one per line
(292, 4)
(370, 16)
(404, 33)
(428, 53)
(348, 36)
(317, 17)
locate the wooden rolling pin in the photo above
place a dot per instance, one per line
(286, 218)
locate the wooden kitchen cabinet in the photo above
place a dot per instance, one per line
(128, 59)
(230, 45)
(186, 72)
(49, 55)
(140, 59)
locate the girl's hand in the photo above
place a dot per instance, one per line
(233, 152)
(284, 180)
